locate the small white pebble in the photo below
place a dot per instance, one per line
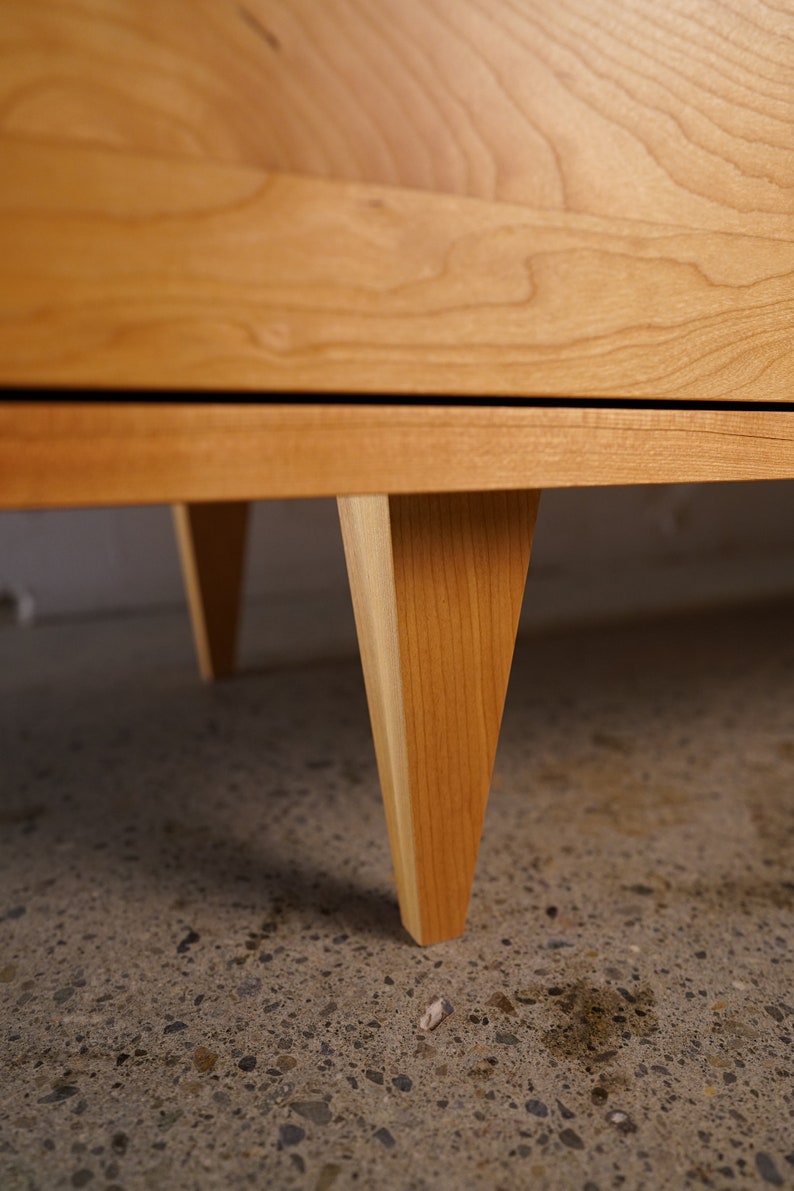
(742, 987)
(622, 1121)
(435, 1013)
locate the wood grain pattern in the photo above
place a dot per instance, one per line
(674, 112)
(211, 538)
(80, 454)
(437, 584)
(126, 271)
(566, 198)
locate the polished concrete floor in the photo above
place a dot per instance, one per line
(203, 978)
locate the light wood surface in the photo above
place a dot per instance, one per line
(437, 585)
(211, 539)
(73, 454)
(674, 111)
(482, 199)
(141, 272)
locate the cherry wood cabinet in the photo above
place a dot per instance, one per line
(442, 254)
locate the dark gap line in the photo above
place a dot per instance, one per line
(123, 396)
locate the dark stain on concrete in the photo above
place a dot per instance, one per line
(592, 1023)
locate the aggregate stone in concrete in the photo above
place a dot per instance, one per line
(203, 978)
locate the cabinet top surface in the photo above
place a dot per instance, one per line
(485, 198)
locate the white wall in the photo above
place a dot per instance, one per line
(598, 553)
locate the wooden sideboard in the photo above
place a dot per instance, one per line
(443, 254)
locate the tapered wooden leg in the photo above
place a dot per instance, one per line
(437, 584)
(211, 540)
